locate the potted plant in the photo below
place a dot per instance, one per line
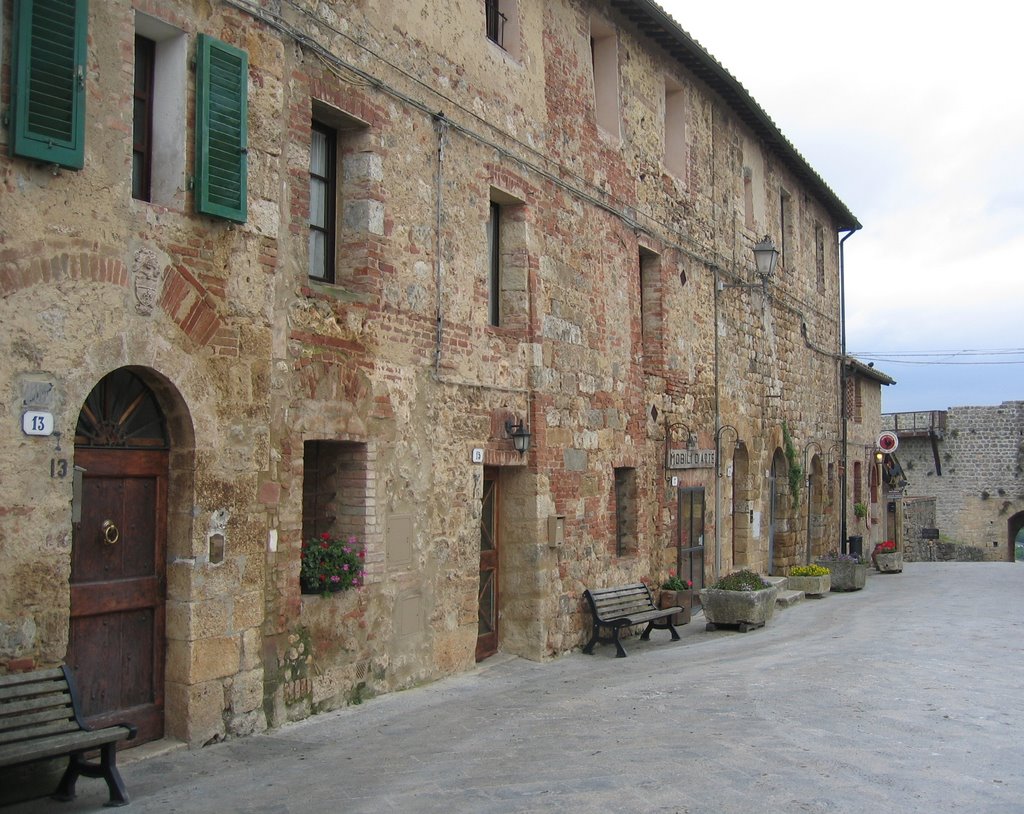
(742, 598)
(813, 580)
(847, 572)
(329, 565)
(677, 591)
(886, 558)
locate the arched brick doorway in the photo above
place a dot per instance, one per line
(132, 482)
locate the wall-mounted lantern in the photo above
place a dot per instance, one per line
(766, 257)
(519, 434)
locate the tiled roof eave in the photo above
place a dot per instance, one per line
(656, 23)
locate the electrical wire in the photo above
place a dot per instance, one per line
(967, 357)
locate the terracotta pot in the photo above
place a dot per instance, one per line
(684, 599)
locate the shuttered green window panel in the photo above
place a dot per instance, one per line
(48, 81)
(222, 77)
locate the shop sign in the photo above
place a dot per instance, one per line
(691, 459)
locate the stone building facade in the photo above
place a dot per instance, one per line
(878, 520)
(971, 461)
(339, 252)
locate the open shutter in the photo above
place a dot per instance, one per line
(222, 84)
(48, 85)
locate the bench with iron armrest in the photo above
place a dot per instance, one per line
(626, 606)
(39, 718)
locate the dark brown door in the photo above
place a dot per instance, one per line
(487, 630)
(690, 537)
(116, 646)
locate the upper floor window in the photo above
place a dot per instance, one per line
(785, 205)
(675, 128)
(625, 510)
(494, 265)
(650, 310)
(323, 191)
(819, 254)
(605, 65)
(160, 94)
(501, 18)
(507, 261)
(142, 119)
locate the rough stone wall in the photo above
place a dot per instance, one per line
(863, 428)
(252, 361)
(981, 486)
(77, 259)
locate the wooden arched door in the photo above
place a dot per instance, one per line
(118, 560)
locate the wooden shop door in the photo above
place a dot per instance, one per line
(118, 562)
(487, 597)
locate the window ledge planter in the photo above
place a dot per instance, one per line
(745, 609)
(890, 562)
(811, 586)
(846, 575)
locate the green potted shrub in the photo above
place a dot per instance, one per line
(742, 598)
(677, 591)
(813, 580)
(847, 572)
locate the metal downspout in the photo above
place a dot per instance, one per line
(843, 482)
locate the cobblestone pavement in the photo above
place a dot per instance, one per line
(903, 697)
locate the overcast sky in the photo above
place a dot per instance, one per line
(913, 115)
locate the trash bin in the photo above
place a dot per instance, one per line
(855, 545)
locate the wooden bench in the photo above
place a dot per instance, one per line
(626, 606)
(39, 719)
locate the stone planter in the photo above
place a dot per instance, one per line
(684, 599)
(811, 586)
(890, 562)
(846, 576)
(745, 609)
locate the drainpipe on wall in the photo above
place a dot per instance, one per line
(842, 388)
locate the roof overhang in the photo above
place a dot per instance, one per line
(654, 22)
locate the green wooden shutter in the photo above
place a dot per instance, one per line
(222, 84)
(48, 86)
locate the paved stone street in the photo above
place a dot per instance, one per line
(904, 697)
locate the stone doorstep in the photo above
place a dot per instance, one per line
(786, 597)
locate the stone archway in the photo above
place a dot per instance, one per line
(815, 509)
(741, 513)
(1014, 527)
(135, 442)
(782, 526)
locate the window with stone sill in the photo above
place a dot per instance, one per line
(158, 117)
(625, 510)
(507, 266)
(323, 192)
(501, 24)
(675, 133)
(650, 309)
(336, 490)
(604, 60)
(343, 175)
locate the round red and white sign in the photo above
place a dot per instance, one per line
(888, 441)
